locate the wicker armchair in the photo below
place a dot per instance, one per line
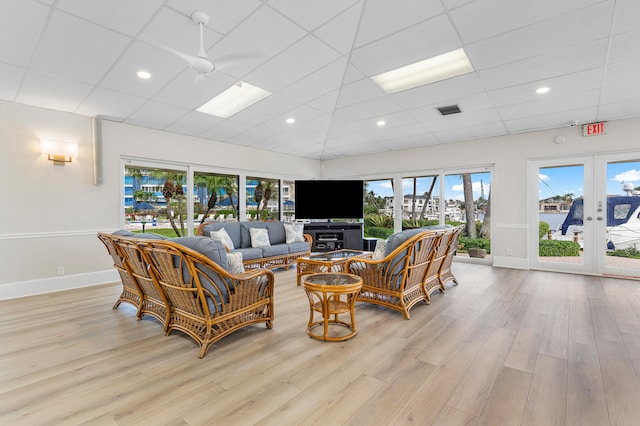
(131, 291)
(207, 302)
(445, 274)
(396, 281)
(153, 301)
(431, 280)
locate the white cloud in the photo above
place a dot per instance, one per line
(476, 188)
(543, 177)
(628, 176)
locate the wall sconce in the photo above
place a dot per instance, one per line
(59, 152)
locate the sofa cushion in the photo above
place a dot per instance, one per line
(294, 232)
(397, 239)
(250, 253)
(277, 233)
(298, 247)
(215, 251)
(232, 228)
(222, 235)
(259, 237)
(379, 252)
(246, 234)
(277, 250)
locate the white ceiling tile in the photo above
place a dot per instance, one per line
(225, 130)
(558, 33)
(124, 16)
(325, 103)
(21, 21)
(162, 65)
(155, 115)
(485, 18)
(624, 47)
(295, 63)
(224, 15)
(382, 17)
(358, 92)
(373, 108)
(77, 49)
(340, 32)
(251, 136)
(473, 132)
(620, 93)
(193, 123)
(618, 110)
(48, 91)
(554, 64)
(552, 120)
(550, 104)
(310, 14)
(626, 17)
(462, 120)
(415, 141)
(411, 45)
(115, 106)
(622, 73)
(10, 79)
(443, 92)
(325, 80)
(189, 90)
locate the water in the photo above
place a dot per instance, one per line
(553, 219)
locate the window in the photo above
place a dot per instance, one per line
(216, 197)
(421, 201)
(378, 208)
(263, 198)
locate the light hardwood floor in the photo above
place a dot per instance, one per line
(505, 347)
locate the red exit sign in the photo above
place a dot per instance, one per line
(593, 129)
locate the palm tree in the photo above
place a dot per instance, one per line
(427, 197)
(469, 209)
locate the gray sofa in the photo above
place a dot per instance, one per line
(279, 254)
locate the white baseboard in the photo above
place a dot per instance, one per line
(50, 285)
(511, 262)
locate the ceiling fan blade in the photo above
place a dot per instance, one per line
(201, 64)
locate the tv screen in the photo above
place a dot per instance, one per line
(329, 199)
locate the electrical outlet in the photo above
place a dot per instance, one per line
(60, 270)
(509, 252)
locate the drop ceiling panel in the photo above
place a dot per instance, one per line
(155, 115)
(415, 141)
(76, 49)
(358, 92)
(124, 16)
(325, 80)
(550, 104)
(189, 90)
(340, 32)
(479, 131)
(558, 33)
(382, 18)
(224, 15)
(558, 120)
(546, 66)
(112, 105)
(622, 73)
(626, 16)
(10, 78)
(624, 47)
(444, 92)
(14, 17)
(162, 65)
(48, 91)
(618, 110)
(419, 42)
(193, 123)
(310, 15)
(225, 130)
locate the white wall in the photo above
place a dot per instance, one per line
(49, 215)
(508, 156)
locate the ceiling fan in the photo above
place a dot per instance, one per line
(200, 62)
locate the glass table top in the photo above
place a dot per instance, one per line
(331, 279)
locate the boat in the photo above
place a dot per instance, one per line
(623, 222)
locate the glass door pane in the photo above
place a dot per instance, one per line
(622, 214)
(561, 232)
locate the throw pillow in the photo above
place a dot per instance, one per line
(223, 235)
(235, 263)
(378, 253)
(259, 237)
(294, 232)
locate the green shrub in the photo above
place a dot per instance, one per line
(165, 232)
(378, 232)
(543, 229)
(558, 248)
(378, 221)
(630, 252)
(467, 243)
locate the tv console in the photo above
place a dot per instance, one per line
(328, 236)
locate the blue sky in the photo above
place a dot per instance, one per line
(452, 189)
(569, 179)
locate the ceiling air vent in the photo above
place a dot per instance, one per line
(448, 110)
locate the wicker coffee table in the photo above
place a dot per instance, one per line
(331, 261)
(331, 294)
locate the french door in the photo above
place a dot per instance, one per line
(584, 214)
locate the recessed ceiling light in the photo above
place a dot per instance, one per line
(542, 90)
(381, 123)
(143, 74)
(291, 120)
(233, 100)
(430, 70)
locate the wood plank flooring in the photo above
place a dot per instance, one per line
(505, 347)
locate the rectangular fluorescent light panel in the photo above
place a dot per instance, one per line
(233, 100)
(430, 70)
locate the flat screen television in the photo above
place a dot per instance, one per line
(329, 199)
